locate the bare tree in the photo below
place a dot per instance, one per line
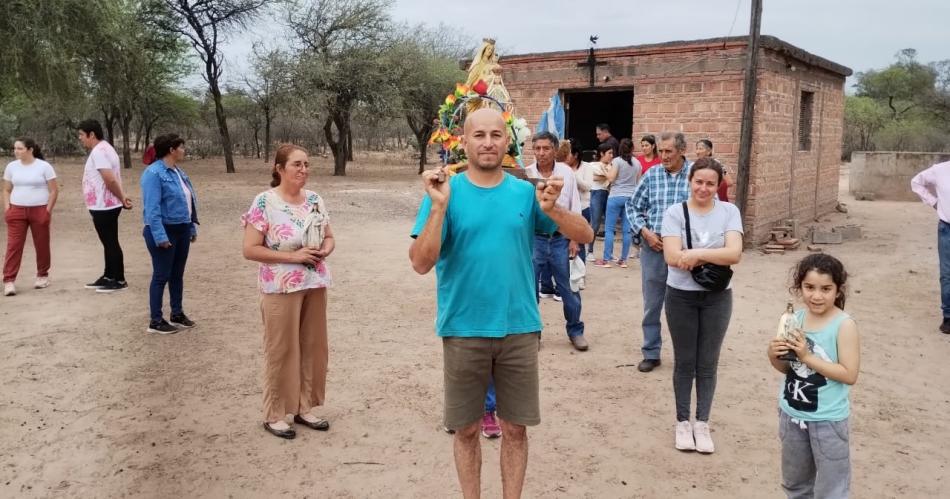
(204, 23)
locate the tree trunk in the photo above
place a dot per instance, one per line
(349, 140)
(124, 124)
(257, 141)
(109, 118)
(267, 142)
(338, 144)
(222, 126)
(422, 139)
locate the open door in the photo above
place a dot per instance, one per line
(585, 109)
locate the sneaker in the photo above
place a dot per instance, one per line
(704, 443)
(590, 256)
(181, 321)
(557, 297)
(41, 282)
(9, 289)
(684, 436)
(622, 264)
(545, 295)
(945, 327)
(490, 427)
(113, 286)
(162, 327)
(99, 283)
(601, 263)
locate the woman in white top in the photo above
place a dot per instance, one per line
(599, 189)
(584, 174)
(29, 194)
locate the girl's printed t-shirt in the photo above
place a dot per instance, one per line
(806, 394)
(30, 182)
(94, 190)
(282, 224)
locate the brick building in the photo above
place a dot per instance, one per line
(697, 87)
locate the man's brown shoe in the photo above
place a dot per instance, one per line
(580, 343)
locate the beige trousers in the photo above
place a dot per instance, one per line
(295, 352)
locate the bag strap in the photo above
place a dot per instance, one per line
(689, 237)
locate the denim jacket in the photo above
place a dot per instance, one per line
(164, 202)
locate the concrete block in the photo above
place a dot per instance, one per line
(825, 237)
(848, 232)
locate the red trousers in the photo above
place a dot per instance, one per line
(19, 219)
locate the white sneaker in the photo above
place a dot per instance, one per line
(591, 257)
(704, 443)
(9, 289)
(41, 282)
(684, 436)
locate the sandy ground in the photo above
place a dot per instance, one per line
(92, 406)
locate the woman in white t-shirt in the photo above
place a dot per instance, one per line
(29, 194)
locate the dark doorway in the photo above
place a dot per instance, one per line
(585, 110)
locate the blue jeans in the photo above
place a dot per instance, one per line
(582, 250)
(490, 396)
(616, 207)
(943, 249)
(168, 267)
(552, 251)
(653, 278)
(598, 206)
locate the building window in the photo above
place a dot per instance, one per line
(806, 106)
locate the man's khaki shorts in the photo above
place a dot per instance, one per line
(470, 363)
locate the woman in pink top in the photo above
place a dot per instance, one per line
(287, 230)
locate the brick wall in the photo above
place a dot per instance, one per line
(697, 89)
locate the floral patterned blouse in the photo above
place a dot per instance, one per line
(282, 224)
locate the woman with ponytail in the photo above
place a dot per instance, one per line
(287, 230)
(29, 194)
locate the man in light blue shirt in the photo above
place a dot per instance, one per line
(477, 230)
(658, 190)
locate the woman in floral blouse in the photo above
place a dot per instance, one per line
(287, 230)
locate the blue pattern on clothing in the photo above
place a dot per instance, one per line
(657, 191)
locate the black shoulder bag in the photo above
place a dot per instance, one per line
(708, 275)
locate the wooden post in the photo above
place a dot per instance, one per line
(748, 110)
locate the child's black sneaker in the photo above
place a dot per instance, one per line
(182, 321)
(161, 327)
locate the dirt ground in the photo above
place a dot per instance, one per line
(92, 406)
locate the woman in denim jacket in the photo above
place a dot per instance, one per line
(171, 225)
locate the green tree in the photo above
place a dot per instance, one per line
(339, 57)
(268, 86)
(428, 66)
(205, 24)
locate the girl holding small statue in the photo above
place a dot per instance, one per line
(814, 405)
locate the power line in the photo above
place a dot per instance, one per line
(734, 18)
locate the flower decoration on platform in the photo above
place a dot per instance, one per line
(452, 113)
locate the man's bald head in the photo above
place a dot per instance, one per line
(484, 117)
(485, 138)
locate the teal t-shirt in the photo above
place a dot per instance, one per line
(485, 275)
(806, 394)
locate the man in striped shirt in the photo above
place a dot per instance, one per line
(659, 189)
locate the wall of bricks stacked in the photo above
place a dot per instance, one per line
(697, 89)
(788, 182)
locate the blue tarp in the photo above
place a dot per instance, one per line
(552, 120)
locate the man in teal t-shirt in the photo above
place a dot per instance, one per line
(477, 230)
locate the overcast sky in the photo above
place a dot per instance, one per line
(860, 34)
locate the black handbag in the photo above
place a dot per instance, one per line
(708, 275)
